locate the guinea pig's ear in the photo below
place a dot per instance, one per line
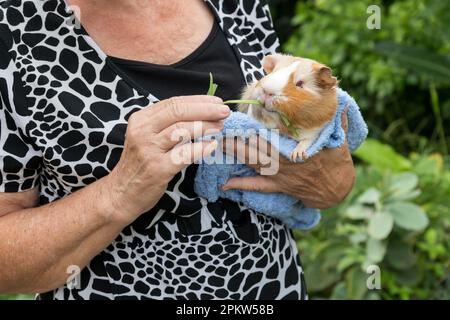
(325, 78)
(269, 62)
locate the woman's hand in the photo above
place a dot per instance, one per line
(152, 155)
(321, 182)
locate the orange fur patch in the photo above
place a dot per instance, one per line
(305, 109)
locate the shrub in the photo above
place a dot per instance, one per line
(406, 101)
(398, 218)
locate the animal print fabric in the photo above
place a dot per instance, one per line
(63, 115)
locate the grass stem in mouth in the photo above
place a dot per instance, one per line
(212, 91)
(253, 102)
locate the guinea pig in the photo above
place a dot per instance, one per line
(298, 96)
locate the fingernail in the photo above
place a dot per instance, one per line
(216, 99)
(225, 110)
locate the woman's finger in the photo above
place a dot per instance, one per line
(255, 153)
(186, 131)
(162, 105)
(257, 183)
(183, 155)
(179, 111)
(263, 145)
(235, 147)
(267, 151)
(246, 154)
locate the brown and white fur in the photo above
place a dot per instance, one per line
(303, 89)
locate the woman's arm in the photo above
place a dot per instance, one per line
(37, 245)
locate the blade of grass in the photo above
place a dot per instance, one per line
(438, 116)
(293, 130)
(212, 86)
(212, 91)
(253, 102)
(285, 120)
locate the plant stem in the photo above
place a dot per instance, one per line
(437, 114)
(254, 102)
(212, 86)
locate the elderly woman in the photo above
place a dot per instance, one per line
(87, 108)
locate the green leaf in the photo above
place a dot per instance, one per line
(372, 296)
(401, 187)
(380, 225)
(358, 212)
(370, 196)
(382, 156)
(408, 277)
(400, 255)
(358, 237)
(376, 250)
(334, 254)
(339, 291)
(319, 278)
(356, 281)
(321, 272)
(404, 182)
(408, 216)
(346, 262)
(431, 236)
(212, 86)
(429, 166)
(417, 59)
(403, 196)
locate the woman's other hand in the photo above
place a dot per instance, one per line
(321, 182)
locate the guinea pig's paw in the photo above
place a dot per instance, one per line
(298, 153)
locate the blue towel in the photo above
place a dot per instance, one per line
(214, 171)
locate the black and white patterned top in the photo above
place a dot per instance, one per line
(63, 115)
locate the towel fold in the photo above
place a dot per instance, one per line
(215, 170)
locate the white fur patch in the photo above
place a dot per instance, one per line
(305, 74)
(275, 82)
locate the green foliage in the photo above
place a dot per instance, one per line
(420, 60)
(398, 218)
(382, 156)
(398, 215)
(397, 73)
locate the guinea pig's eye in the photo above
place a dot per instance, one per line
(299, 84)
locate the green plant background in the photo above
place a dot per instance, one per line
(397, 217)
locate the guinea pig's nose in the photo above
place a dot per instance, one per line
(267, 94)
